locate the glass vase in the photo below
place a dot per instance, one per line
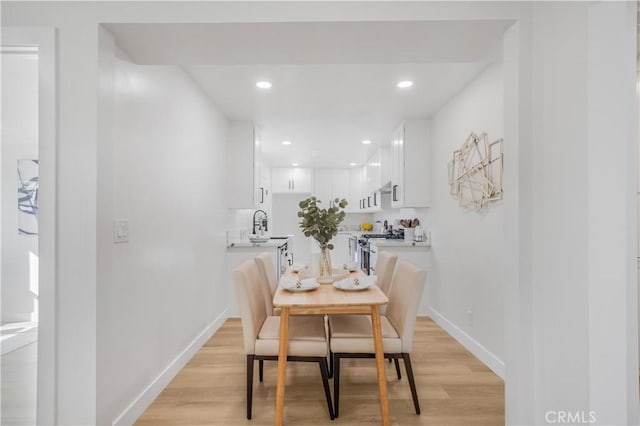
(324, 268)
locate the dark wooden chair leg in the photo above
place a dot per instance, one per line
(261, 369)
(336, 384)
(412, 383)
(397, 368)
(330, 364)
(249, 384)
(325, 383)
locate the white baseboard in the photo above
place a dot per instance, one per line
(480, 352)
(142, 402)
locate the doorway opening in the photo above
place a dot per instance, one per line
(19, 250)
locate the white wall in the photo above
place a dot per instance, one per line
(163, 169)
(571, 287)
(612, 240)
(467, 247)
(391, 215)
(19, 142)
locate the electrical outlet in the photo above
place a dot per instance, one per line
(120, 230)
(470, 318)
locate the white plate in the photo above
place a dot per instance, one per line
(349, 284)
(291, 284)
(297, 267)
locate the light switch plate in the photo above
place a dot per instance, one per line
(121, 230)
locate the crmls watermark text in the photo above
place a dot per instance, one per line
(570, 417)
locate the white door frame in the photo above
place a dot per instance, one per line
(45, 39)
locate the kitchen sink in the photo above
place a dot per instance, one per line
(258, 239)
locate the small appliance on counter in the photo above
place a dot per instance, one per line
(379, 228)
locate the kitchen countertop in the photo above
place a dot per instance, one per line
(398, 243)
(244, 244)
(274, 242)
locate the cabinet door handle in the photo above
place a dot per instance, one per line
(261, 194)
(369, 201)
(289, 184)
(395, 187)
(293, 184)
(375, 199)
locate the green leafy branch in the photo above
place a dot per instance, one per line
(321, 224)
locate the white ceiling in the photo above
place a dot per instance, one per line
(334, 84)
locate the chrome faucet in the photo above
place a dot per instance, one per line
(263, 222)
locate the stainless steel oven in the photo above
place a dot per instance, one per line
(364, 257)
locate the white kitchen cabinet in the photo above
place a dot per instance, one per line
(372, 202)
(322, 186)
(385, 166)
(372, 173)
(377, 170)
(329, 184)
(243, 154)
(355, 191)
(294, 180)
(367, 177)
(340, 183)
(265, 200)
(410, 174)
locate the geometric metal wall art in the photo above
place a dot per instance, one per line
(475, 172)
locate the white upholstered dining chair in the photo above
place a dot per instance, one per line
(269, 280)
(307, 335)
(385, 265)
(352, 337)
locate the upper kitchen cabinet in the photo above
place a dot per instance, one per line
(355, 190)
(290, 180)
(377, 171)
(264, 195)
(244, 190)
(340, 184)
(322, 186)
(410, 174)
(329, 184)
(385, 166)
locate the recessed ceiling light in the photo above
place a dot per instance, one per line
(366, 142)
(405, 83)
(263, 85)
(286, 142)
(352, 164)
(295, 164)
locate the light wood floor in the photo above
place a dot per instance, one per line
(454, 387)
(18, 377)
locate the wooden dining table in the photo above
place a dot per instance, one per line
(327, 299)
